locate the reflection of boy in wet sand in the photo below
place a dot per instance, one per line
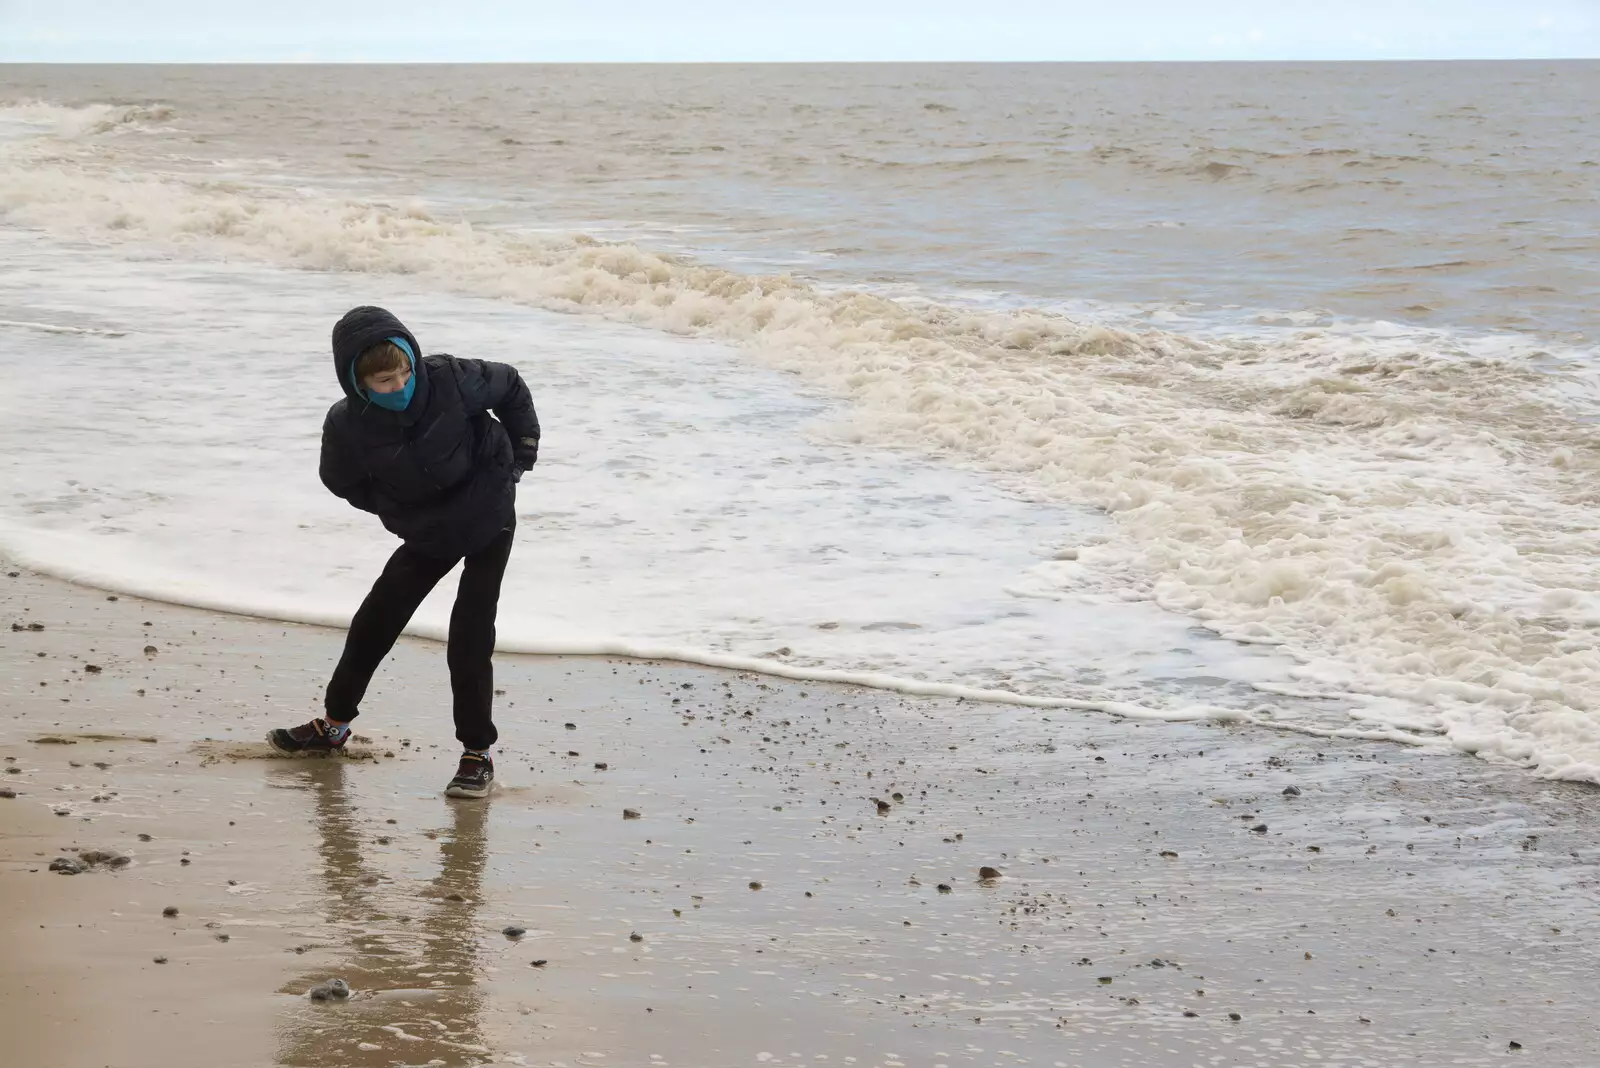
(417, 979)
(413, 442)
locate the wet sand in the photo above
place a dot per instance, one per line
(1162, 902)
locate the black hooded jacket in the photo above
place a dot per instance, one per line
(441, 473)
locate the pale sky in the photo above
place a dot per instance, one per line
(155, 31)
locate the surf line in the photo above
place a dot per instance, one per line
(193, 596)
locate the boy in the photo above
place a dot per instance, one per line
(413, 442)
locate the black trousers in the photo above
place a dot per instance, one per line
(407, 578)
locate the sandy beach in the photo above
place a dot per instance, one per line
(1163, 900)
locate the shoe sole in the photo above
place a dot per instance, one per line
(468, 791)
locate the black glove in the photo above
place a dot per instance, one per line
(524, 456)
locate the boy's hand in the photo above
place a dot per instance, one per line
(525, 455)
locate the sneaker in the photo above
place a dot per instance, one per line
(314, 737)
(473, 777)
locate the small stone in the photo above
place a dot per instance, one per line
(6, 791)
(184, 861)
(383, 839)
(1260, 828)
(1514, 1044)
(92, 669)
(1235, 1017)
(987, 873)
(223, 937)
(1169, 854)
(600, 765)
(455, 897)
(514, 932)
(161, 960)
(570, 726)
(539, 963)
(630, 813)
(170, 911)
(755, 885)
(1291, 791)
(943, 888)
(111, 597)
(636, 937)
(1104, 980)
(68, 866)
(883, 806)
(150, 650)
(1190, 1013)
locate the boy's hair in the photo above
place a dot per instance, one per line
(384, 356)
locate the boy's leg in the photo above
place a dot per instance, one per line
(472, 642)
(407, 578)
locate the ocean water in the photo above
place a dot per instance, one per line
(1248, 392)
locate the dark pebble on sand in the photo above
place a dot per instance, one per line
(1260, 828)
(224, 937)
(6, 791)
(1190, 1013)
(150, 650)
(143, 837)
(68, 866)
(1235, 1017)
(332, 990)
(1514, 1044)
(93, 669)
(944, 888)
(170, 910)
(514, 932)
(988, 873)
(570, 726)
(755, 885)
(600, 765)
(1291, 791)
(539, 963)
(636, 937)
(883, 806)
(161, 960)
(630, 813)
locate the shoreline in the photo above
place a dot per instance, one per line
(1403, 906)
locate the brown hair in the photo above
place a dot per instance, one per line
(384, 356)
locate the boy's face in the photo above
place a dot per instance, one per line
(388, 381)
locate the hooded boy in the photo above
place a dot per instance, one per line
(414, 442)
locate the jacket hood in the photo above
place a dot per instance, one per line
(359, 330)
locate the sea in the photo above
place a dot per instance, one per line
(1258, 393)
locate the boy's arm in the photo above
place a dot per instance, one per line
(343, 478)
(497, 387)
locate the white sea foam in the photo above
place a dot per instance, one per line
(1407, 513)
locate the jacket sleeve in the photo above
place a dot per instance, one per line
(497, 387)
(342, 477)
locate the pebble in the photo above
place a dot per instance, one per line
(636, 937)
(150, 650)
(539, 963)
(755, 885)
(330, 990)
(1291, 791)
(92, 669)
(68, 866)
(108, 857)
(514, 932)
(630, 813)
(170, 911)
(161, 960)
(600, 765)
(6, 791)
(1260, 828)
(987, 872)
(944, 888)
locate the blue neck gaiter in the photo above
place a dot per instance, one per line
(400, 399)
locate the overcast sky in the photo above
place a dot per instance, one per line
(734, 30)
